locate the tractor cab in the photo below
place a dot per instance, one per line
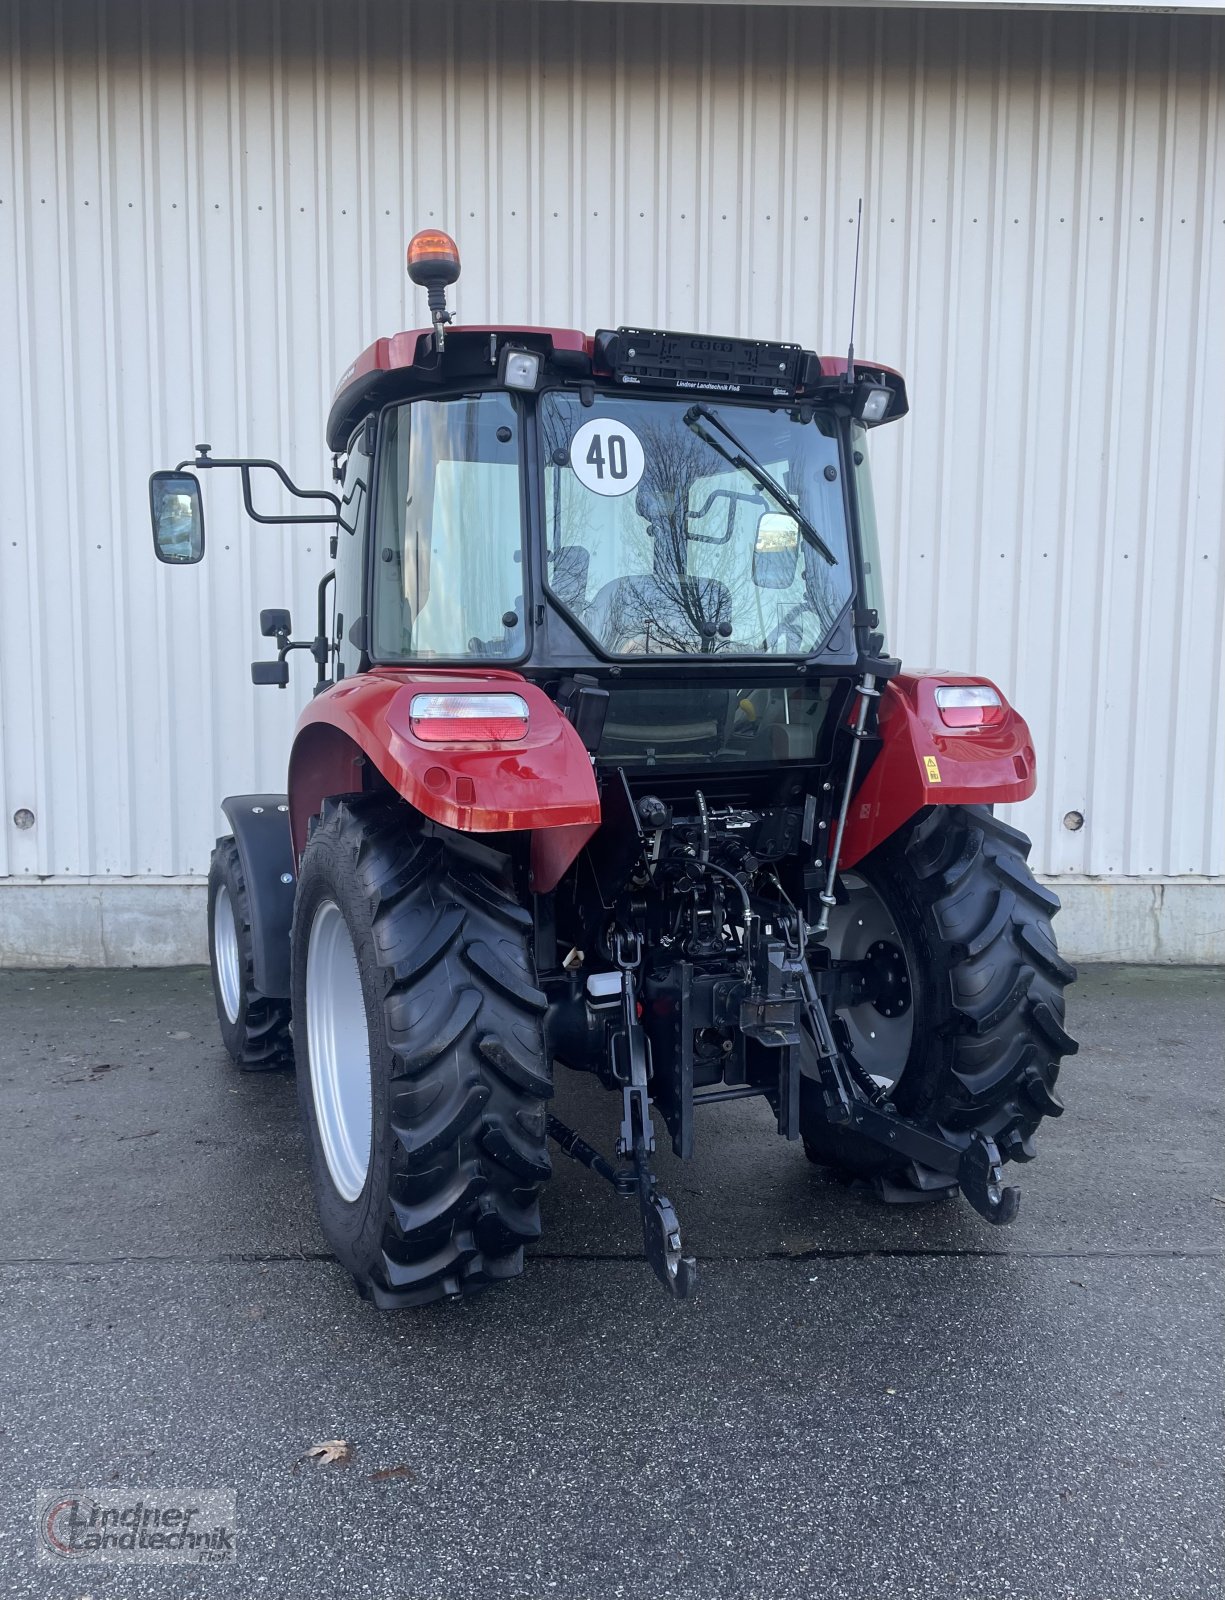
(686, 522)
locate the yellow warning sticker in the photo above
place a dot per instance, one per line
(933, 769)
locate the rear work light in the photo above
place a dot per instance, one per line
(520, 369)
(871, 403)
(468, 718)
(969, 705)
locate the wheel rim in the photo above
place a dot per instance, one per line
(338, 1048)
(881, 1030)
(225, 953)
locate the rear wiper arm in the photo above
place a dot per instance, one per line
(755, 470)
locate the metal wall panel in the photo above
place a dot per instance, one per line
(203, 209)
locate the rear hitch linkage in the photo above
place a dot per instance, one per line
(631, 1054)
(851, 1098)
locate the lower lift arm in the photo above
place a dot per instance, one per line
(661, 1231)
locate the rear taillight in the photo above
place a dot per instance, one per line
(969, 705)
(468, 718)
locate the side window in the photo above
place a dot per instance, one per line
(348, 610)
(448, 578)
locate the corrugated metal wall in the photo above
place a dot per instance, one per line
(202, 217)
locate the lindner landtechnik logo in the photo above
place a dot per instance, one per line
(193, 1525)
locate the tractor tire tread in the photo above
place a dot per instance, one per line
(994, 1033)
(462, 1019)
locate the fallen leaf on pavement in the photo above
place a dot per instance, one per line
(384, 1474)
(331, 1450)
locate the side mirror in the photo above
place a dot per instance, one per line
(271, 672)
(177, 513)
(274, 620)
(776, 550)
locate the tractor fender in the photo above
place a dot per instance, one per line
(542, 784)
(922, 762)
(260, 824)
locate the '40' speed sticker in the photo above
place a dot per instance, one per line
(607, 457)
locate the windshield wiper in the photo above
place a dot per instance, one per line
(755, 470)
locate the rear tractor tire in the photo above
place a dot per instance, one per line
(254, 1028)
(422, 1071)
(966, 1027)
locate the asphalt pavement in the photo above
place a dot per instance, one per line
(862, 1402)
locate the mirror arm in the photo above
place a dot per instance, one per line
(320, 646)
(244, 464)
(358, 489)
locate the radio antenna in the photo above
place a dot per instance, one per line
(848, 377)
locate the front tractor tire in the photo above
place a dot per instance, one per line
(422, 1074)
(254, 1028)
(964, 1024)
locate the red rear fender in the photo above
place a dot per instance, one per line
(924, 763)
(541, 783)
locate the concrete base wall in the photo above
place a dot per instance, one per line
(81, 922)
(1178, 921)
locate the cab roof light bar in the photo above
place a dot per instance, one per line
(652, 358)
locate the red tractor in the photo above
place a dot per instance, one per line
(607, 766)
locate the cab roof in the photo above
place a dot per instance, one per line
(408, 364)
